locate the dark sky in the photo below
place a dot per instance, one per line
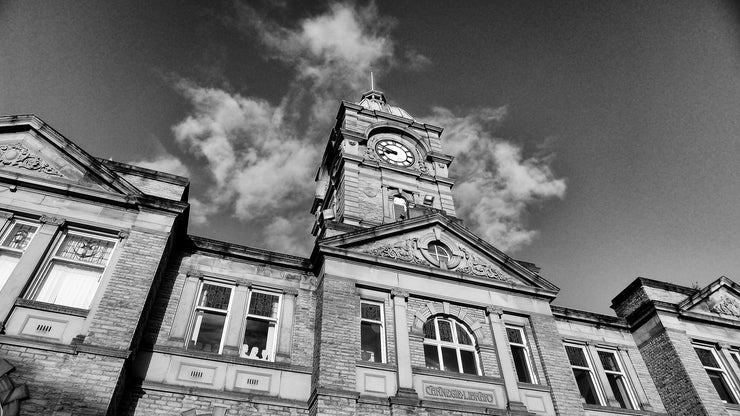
(632, 106)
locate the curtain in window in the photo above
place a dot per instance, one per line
(69, 285)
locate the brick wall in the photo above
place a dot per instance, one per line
(146, 402)
(555, 366)
(336, 346)
(63, 384)
(118, 315)
(679, 376)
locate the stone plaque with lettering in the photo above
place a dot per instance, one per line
(445, 392)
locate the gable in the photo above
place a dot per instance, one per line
(437, 243)
(30, 149)
(723, 303)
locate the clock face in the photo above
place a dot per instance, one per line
(394, 153)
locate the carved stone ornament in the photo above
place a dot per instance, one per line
(727, 306)
(46, 219)
(11, 394)
(471, 264)
(398, 292)
(406, 250)
(264, 270)
(17, 155)
(370, 154)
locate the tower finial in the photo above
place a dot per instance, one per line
(372, 80)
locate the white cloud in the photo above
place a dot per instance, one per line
(260, 156)
(165, 163)
(495, 183)
(256, 160)
(290, 235)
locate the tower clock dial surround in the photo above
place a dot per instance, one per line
(394, 152)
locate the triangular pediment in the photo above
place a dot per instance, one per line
(721, 299)
(439, 243)
(31, 150)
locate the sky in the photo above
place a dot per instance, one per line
(597, 139)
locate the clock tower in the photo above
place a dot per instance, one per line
(380, 165)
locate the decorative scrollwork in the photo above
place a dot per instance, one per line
(17, 155)
(727, 306)
(406, 250)
(473, 265)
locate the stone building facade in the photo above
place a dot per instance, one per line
(109, 307)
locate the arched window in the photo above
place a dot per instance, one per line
(400, 208)
(450, 346)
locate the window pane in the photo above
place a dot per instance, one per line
(519, 355)
(207, 332)
(213, 296)
(445, 331)
(468, 362)
(429, 330)
(576, 356)
(462, 336)
(370, 334)
(258, 339)
(19, 236)
(264, 304)
(619, 388)
(86, 249)
(514, 335)
(609, 361)
(370, 311)
(449, 360)
(69, 285)
(706, 357)
(586, 386)
(7, 264)
(431, 357)
(721, 386)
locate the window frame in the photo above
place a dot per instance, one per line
(277, 320)
(438, 343)
(194, 313)
(593, 375)
(723, 371)
(735, 355)
(527, 352)
(13, 251)
(53, 258)
(631, 398)
(381, 322)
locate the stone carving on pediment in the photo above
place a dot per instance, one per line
(472, 264)
(727, 306)
(17, 155)
(405, 250)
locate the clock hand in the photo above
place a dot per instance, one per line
(390, 151)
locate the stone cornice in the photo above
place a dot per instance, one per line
(223, 248)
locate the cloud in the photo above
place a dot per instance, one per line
(260, 156)
(282, 233)
(255, 159)
(165, 163)
(495, 184)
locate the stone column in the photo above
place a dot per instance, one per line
(514, 401)
(187, 299)
(28, 262)
(406, 393)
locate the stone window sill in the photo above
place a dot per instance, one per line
(50, 307)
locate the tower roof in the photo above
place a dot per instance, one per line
(375, 100)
